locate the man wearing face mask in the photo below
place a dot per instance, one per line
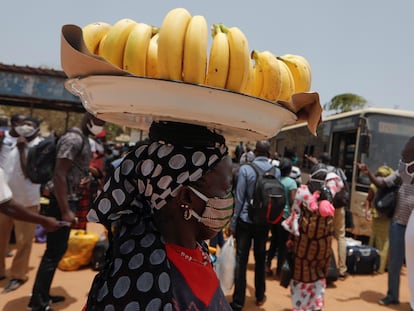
(71, 175)
(23, 135)
(404, 206)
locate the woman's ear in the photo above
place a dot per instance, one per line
(184, 196)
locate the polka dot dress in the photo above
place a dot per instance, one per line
(137, 273)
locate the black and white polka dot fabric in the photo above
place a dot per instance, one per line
(137, 276)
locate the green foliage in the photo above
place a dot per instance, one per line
(345, 102)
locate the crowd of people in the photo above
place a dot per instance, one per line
(79, 165)
(163, 199)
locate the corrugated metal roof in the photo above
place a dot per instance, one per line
(32, 70)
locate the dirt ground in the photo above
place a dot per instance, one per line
(354, 293)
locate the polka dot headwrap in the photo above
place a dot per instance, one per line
(137, 273)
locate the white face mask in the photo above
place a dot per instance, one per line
(25, 130)
(217, 213)
(94, 129)
(406, 176)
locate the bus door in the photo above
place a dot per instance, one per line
(343, 151)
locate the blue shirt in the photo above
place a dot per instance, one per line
(245, 186)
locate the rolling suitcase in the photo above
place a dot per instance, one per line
(362, 259)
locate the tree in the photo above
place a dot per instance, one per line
(345, 102)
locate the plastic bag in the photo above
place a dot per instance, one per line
(225, 265)
(79, 251)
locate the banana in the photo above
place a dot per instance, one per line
(301, 71)
(136, 49)
(93, 34)
(195, 50)
(171, 43)
(288, 83)
(219, 59)
(257, 79)
(239, 58)
(248, 88)
(113, 46)
(101, 44)
(152, 57)
(271, 86)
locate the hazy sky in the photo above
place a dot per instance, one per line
(363, 47)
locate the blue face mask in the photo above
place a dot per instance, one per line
(295, 160)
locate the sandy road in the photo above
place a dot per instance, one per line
(354, 293)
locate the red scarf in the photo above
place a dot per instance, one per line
(201, 278)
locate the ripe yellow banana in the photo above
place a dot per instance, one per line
(257, 79)
(171, 43)
(152, 57)
(113, 46)
(239, 59)
(271, 86)
(288, 83)
(93, 34)
(248, 88)
(219, 59)
(136, 49)
(301, 71)
(195, 50)
(101, 44)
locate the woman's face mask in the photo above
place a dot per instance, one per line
(406, 176)
(25, 130)
(217, 213)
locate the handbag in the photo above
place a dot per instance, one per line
(386, 200)
(225, 265)
(286, 271)
(341, 199)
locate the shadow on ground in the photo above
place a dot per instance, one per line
(22, 302)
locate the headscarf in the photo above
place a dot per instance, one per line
(138, 275)
(384, 171)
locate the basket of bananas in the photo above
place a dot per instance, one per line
(131, 73)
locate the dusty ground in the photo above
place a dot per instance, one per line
(354, 293)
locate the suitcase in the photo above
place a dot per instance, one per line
(362, 259)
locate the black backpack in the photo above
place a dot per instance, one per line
(41, 159)
(269, 198)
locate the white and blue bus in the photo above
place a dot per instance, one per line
(374, 136)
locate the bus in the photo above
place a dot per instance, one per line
(374, 136)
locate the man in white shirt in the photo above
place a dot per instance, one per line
(22, 135)
(11, 208)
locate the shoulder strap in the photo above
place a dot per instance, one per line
(256, 168)
(71, 130)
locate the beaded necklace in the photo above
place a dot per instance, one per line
(205, 258)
